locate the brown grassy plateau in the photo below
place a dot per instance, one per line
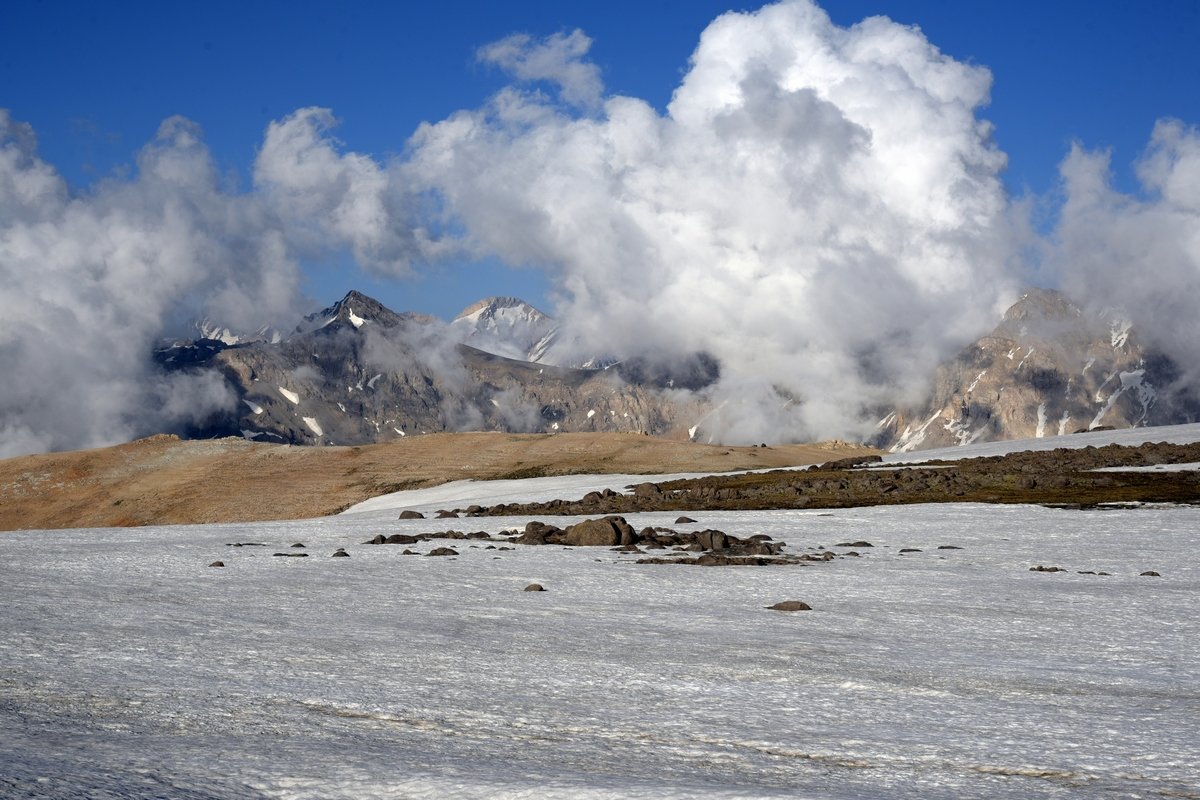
(163, 480)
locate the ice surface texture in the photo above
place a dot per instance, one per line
(129, 668)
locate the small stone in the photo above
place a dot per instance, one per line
(410, 514)
(341, 553)
(291, 555)
(854, 544)
(442, 551)
(684, 520)
(410, 553)
(910, 550)
(298, 544)
(446, 515)
(535, 587)
(1150, 574)
(949, 547)
(790, 605)
(1040, 568)
(217, 564)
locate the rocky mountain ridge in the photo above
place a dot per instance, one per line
(1049, 368)
(358, 373)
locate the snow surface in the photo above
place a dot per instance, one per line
(131, 669)
(313, 425)
(290, 395)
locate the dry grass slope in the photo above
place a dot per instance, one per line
(163, 480)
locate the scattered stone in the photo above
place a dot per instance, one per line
(535, 587)
(911, 550)
(245, 544)
(442, 551)
(410, 514)
(217, 564)
(291, 555)
(447, 515)
(684, 520)
(854, 544)
(408, 552)
(341, 553)
(1150, 574)
(379, 539)
(949, 547)
(298, 544)
(400, 538)
(1040, 568)
(790, 605)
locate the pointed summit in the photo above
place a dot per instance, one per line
(355, 310)
(506, 326)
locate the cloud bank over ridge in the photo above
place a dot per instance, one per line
(819, 208)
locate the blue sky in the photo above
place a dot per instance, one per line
(95, 81)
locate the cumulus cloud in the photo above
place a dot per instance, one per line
(92, 280)
(819, 208)
(557, 59)
(331, 199)
(1140, 253)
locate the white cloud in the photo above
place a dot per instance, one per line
(558, 59)
(819, 208)
(1140, 253)
(91, 282)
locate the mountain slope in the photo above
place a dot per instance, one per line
(358, 372)
(1049, 368)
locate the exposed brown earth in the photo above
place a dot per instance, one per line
(163, 480)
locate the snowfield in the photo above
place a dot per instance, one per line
(131, 669)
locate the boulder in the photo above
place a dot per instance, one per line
(606, 532)
(442, 551)
(410, 514)
(790, 605)
(538, 533)
(535, 587)
(712, 540)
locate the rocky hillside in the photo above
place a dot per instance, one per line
(1049, 368)
(359, 373)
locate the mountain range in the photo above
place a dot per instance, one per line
(358, 372)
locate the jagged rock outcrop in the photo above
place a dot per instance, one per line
(1050, 368)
